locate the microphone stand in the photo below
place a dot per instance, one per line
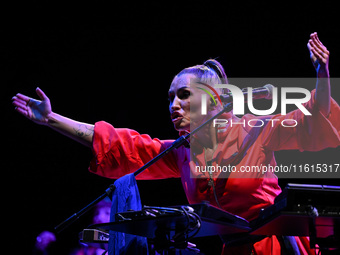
(108, 192)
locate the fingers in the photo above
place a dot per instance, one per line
(316, 43)
(318, 51)
(20, 106)
(22, 97)
(20, 102)
(41, 94)
(319, 54)
(23, 103)
(317, 38)
(22, 111)
(310, 48)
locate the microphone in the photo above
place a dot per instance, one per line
(258, 93)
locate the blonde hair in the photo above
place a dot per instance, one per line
(211, 72)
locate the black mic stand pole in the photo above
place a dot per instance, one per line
(108, 192)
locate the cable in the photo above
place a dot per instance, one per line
(192, 227)
(194, 224)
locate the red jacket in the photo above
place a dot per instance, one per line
(121, 151)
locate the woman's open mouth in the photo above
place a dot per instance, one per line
(176, 116)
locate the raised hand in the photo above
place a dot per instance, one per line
(318, 54)
(35, 110)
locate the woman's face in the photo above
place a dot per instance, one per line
(185, 101)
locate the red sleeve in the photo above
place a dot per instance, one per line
(119, 151)
(312, 133)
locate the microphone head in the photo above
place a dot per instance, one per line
(269, 88)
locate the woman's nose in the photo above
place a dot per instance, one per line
(175, 104)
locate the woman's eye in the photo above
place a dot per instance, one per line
(171, 98)
(184, 94)
(181, 94)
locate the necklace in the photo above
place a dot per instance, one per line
(211, 180)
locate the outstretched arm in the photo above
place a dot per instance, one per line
(40, 112)
(320, 58)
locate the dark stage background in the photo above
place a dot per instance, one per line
(113, 61)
